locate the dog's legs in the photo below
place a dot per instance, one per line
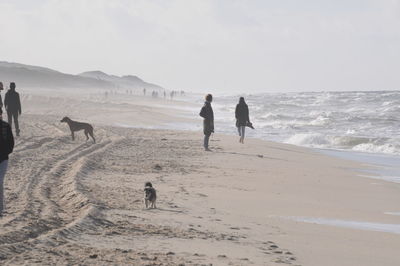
(91, 134)
(86, 134)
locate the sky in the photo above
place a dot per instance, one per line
(226, 46)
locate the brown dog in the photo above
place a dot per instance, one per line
(77, 126)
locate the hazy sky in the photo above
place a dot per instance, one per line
(212, 45)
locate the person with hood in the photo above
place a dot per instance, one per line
(6, 147)
(242, 118)
(208, 122)
(12, 104)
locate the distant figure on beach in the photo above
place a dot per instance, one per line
(242, 118)
(144, 91)
(1, 88)
(12, 104)
(208, 122)
(6, 147)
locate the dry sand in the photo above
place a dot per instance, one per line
(75, 202)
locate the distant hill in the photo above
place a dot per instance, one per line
(41, 77)
(123, 82)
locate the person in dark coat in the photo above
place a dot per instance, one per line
(12, 104)
(6, 147)
(242, 118)
(208, 122)
(1, 88)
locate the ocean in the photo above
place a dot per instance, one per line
(361, 126)
(357, 126)
(352, 121)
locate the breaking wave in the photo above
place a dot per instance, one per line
(359, 121)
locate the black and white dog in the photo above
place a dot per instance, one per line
(150, 196)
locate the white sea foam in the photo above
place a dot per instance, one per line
(358, 121)
(393, 213)
(379, 227)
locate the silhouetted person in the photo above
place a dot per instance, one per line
(1, 101)
(6, 147)
(208, 122)
(144, 91)
(13, 106)
(242, 118)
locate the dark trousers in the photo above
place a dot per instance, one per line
(14, 115)
(206, 140)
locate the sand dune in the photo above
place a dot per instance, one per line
(28, 76)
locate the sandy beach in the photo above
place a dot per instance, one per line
(76, 202)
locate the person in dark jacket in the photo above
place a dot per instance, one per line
(208, 122)
(1, 88)
(242, 118)
(6, 147)
(12, 104)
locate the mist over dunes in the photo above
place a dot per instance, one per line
(41, 77)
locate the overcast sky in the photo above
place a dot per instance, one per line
(212, 45)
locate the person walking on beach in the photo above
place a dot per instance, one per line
(208, 122)
(12, 104)
(1, 88)
(242, 118)
(6, 147)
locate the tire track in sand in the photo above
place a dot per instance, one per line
(52, 197)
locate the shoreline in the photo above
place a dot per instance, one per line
(228, 207)
(223, 207)
(185, 112)
(385, 166)
(359, 166)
